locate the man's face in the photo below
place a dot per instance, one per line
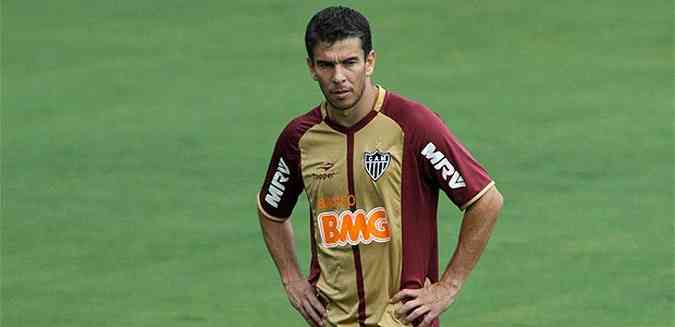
(342, 71)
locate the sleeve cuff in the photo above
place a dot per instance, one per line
(477, 196)
(265, 213)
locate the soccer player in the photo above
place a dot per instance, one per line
(371, 163)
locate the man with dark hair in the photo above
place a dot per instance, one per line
(371, 163)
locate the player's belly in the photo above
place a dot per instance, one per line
(338, 284)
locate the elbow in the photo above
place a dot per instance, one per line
(498, 201)
(490, 204)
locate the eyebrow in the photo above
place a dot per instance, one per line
(352, 58)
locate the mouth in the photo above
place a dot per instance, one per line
(341, 93)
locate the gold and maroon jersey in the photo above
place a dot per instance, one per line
(373, 194)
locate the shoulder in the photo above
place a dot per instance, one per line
(300, 124)
(410, 114)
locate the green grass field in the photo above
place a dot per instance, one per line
(135, 135)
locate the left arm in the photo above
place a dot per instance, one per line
(433, 299)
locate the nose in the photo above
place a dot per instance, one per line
(339, 75)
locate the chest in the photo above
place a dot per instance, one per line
(353, 169)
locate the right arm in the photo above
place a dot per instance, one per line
(280, 243)
(278, 195)
(281, 246)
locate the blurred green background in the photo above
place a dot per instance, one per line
(135, 135)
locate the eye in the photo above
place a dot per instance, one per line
(323, 64)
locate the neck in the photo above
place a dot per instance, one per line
(351, 116)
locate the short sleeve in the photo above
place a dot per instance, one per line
(448, 164)
(283, 181)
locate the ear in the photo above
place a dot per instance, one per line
(312, 71)
(370, 63)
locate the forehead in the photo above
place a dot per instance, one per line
(338, 50)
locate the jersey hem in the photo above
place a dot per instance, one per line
(478, 196)
(267, 215)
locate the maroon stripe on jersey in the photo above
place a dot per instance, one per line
(308, 121)
(418, 201)
(360, 289)
(314, 268)
(288, 148)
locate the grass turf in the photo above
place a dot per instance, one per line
(135, 135)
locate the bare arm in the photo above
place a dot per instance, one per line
(433, 299)
(281, 246)
(477, 224)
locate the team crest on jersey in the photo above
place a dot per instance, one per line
(376, 163)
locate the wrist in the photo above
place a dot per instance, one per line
(291, 278)
(288, 282)
(452, 282)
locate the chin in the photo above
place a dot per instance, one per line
(345, 107)
(342, 105)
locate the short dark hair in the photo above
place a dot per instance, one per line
(337, 23)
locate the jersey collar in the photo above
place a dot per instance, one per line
(379, 101)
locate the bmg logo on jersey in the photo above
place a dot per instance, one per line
(353, 228)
